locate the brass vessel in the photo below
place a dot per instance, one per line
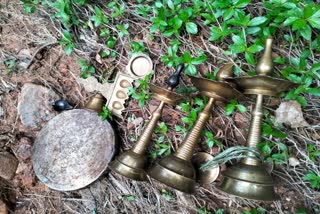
(177, 170)
(249, 178)
(131, 164)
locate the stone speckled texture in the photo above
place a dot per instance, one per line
(8, 165)
(73, 149)
(34, 105)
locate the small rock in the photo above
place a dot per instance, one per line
(23, 149)
(290, 113)
(293, 161)
(26, 175)
(8, 166)
(136, 122)
(3, 208)
(34, 105)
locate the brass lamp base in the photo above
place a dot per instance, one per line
(249, 181)
(130, 165)
(176, 173)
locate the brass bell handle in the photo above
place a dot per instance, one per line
(185, 151)
(254, 136)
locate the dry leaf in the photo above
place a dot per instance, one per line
(290, 113)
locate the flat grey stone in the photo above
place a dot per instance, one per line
(34, 105)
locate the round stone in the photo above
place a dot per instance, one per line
(73, 149)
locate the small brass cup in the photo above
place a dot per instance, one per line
(249, 178)
(177, 170)
(131, 164)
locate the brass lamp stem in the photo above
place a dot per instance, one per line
(254, 136)
(144, 139)
(185, 151)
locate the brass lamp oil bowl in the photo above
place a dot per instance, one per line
(131, 164)
(177, 170)
(249, 178)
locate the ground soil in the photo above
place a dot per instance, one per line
(21, 37)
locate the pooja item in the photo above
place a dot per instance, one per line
(138, 67)
(131, 163)
(74, 148)
(204, 176)
(249, 178)
(177, 170)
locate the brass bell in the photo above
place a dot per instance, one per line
(177, 170)
(131, 164)
(249, 178)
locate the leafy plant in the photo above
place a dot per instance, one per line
(86, 69)
(276, 152)
(137, 47)
(210, 140)
(313, 179)
(118, 9)
(105, 113)
(67, 42)
(127, 197)
(99, 18)
(168, 196)
(255, 211)
(160, 147)
(232, 106)
(203, 210)
(140, 93)
(123, 29)
(313, 153)
(29, 6)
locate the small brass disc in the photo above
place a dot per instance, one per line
(205, 176)
(165, 95)
(140, 65)
(220, 90)
(261, 84)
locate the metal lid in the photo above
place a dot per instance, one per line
(205, 176)
(140, 65)
(73, 149)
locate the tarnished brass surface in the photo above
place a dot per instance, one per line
(96, 103)
(165, 95)
(204, 176)
(176, 170)
(116, 93)
(131, 164)
(249, 178)
(73, 149)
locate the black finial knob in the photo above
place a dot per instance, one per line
(61, 105)
(173, 80)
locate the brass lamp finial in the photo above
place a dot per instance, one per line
(177, 170)
(265, 64)
(131, 163)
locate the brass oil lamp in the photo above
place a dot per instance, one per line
(249, 178)
(177, 170)
(131, 163)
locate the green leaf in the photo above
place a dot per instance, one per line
(257, 21)
(191, 28)
(69, 48)
(314, 22)
(306, 32)
(215, 33)
(229, 109)
(249, 57)
(289, 21)
(241, 108)
(302, 101)
(314, 91)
